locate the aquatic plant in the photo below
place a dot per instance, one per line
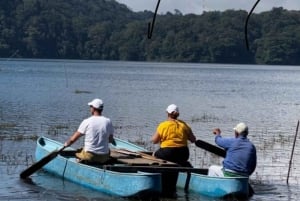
(204, 118)
(56, 130)
(7, 125)
(82, 92)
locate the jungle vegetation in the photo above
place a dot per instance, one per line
(107, 30)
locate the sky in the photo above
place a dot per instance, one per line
(198, 6)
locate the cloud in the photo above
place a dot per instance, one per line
(198, 6)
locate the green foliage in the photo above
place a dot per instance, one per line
(107, 30)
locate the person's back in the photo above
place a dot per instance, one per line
(173, 136)
(240, 157)
(97, 131)
(173, 133)
(240, 154)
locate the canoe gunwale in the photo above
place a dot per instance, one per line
(155, 169)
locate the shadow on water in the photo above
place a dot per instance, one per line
(43, 186)
(276, 192)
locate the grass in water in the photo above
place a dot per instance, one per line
(82, 92)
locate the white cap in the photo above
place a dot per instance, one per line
(240, 128)
(96, 103)
(172, 108)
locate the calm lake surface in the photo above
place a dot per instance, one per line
(49, 98)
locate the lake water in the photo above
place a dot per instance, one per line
(49, 97)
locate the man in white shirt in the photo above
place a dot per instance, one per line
(98, 131)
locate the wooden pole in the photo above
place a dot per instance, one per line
(291, 159)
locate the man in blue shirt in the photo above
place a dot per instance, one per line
(240, 157)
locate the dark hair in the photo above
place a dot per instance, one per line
(244, 133)
(173, 115)
(99, 109)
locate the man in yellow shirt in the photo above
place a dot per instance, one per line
(173, 135)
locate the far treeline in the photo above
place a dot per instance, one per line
(107, 30)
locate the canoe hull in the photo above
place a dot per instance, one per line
(110, 182)
(215, 186)
(138, 182)
(218, 187)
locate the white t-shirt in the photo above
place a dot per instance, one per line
(97, 130)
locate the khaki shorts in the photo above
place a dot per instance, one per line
(91, 157)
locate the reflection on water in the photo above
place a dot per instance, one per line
(49, 98)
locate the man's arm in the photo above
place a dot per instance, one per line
(73, 139)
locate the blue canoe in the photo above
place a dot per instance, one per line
(218, 187)
(124, 184)
(132, 178)
(197, 181)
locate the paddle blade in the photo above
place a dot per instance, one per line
(39, 164)
(211, 148)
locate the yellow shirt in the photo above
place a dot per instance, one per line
(173, 133)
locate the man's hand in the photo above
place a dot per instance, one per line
(217, 131)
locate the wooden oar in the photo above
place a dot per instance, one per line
(211, 148)
(218, 151)
(39, 164)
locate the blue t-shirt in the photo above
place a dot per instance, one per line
(240, 154)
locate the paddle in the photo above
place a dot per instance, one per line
(211, 148)
(39, 164)
(218, 151)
